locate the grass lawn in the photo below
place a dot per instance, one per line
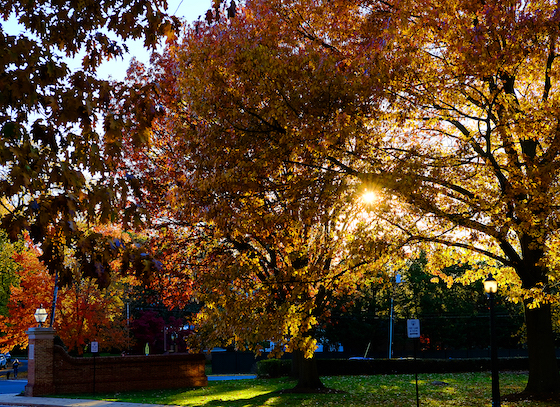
(464, 389)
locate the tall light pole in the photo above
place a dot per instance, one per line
(398, 279)
(491, 288)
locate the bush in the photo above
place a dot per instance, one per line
(273, 368)
(338, 367)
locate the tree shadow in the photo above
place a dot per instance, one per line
(279, 397)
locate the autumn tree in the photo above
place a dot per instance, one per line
(450, 109)
(268, 272)
(278, 280)
(58, 134)
(32, 287)
(265, 253)
(85, 312)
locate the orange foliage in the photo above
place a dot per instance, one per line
(83, 312)
(88, 314)
(35, 288)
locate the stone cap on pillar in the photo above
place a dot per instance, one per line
(40, 333)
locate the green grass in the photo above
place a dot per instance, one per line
(465, 389)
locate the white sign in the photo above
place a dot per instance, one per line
(413, 327)
(31, 352)
(94, 347)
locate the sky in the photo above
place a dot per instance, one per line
(189, 10)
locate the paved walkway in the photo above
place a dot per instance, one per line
(15, 400)
(213, 378)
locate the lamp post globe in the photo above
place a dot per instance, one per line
(40, 315)
(490, 285)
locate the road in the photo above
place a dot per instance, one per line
(12, 386)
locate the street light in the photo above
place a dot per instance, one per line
(490, 285)
(491, 288)
(40, 315)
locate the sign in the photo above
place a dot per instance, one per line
(413, 328)
(94, 347)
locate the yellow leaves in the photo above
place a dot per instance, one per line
(534, 297)
(170, 33)
(245, 305)
(306, 344)
(424, 108)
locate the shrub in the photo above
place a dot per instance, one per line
(274, 368)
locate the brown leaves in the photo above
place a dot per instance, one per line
(214, 14)
(57, 170)
(232, 9)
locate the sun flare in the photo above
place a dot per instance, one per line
(370, 197)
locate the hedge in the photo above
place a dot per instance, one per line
(274, 368)
(345, 367)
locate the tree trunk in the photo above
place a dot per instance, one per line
(305, 370)
(543, 368)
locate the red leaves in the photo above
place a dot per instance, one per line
(34, 288)
(209, 16)
(84, 312)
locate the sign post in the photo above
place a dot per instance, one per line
(413, 327)
(413, 330)
(94, 347)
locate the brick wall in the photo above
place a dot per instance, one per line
(60, 373)
(122, 373)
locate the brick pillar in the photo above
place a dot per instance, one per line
(40, 366)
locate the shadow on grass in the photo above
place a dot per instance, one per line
(270, 399)
(251, 393)
(435, 390)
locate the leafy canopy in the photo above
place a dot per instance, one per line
(451, 108)
(56, 162)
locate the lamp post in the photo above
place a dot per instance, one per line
(40, 315)
(391, 315)
(491, 288)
